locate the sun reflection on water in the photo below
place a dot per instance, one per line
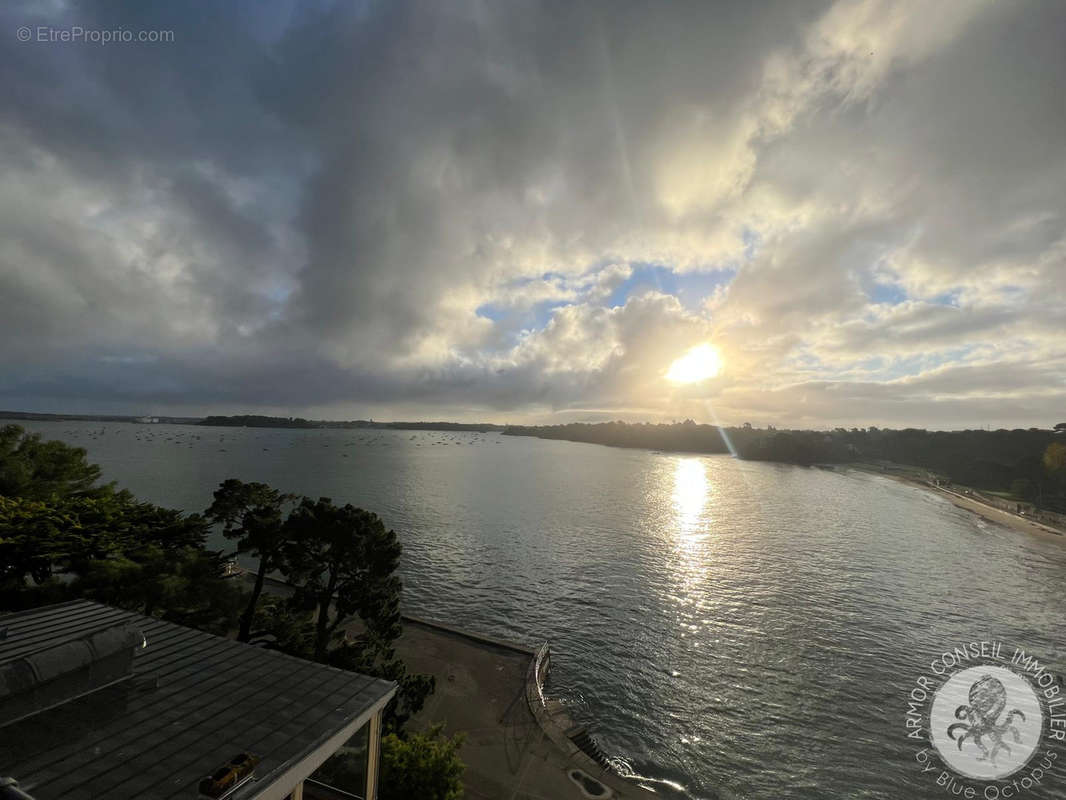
(691, 489)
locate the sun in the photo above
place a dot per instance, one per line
(698, 364)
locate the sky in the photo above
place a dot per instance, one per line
(524, 212)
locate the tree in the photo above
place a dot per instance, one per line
(344, 559)
(1023, 488)
(185, 586)
(280, 625)
(423, 765)
(33, 537)
(40, 539)
(40, 470)
(114, 549)
(419, 765)
(380, 662)
(1055, 464)
(251, 513)
(1055, 458)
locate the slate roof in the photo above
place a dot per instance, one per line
(195, 701)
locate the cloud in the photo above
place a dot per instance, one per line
(424, 209)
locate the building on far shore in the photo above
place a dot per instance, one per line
(104, 704)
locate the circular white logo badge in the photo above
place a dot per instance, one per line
(986, 722)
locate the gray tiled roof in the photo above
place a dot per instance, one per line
(195, 700)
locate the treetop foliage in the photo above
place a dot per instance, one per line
(424, 765)
(39, 470)
(345, 558)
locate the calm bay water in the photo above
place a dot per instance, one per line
(725, 626)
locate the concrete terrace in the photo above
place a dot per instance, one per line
(485, 690)
(482, 691)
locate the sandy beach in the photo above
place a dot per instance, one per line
(983, 510)
(994, 514)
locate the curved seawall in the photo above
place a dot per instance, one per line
(583, 756)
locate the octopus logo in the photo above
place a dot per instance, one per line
(986, 722)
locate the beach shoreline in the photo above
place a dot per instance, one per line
(984, 510)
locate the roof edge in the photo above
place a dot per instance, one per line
(281, 786)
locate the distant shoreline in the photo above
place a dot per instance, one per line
(983, 510)
(33, 416)
(254, 421)
(827, 450)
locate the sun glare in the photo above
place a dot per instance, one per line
(698, 364)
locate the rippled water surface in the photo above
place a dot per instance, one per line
(730, 627)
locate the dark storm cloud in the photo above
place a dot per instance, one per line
(297, 206)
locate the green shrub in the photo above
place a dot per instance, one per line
(423, 765)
